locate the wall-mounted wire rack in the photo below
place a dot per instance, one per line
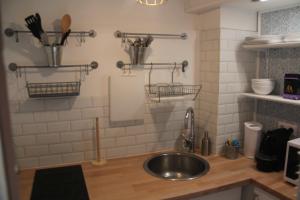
(9, 32)
(58, 89)
(54, 89)
(119, 34)
(182, 65)
(170, 91)
(158, 92)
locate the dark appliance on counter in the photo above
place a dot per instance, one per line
(272, 151)
(291, 86)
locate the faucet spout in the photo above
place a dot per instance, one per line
(189, 142)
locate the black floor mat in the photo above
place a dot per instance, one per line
(63, 183)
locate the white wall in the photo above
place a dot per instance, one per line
(50, 132)
(105, 17)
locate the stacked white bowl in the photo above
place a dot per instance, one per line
(263, 86)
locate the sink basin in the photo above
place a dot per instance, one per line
(176, 166)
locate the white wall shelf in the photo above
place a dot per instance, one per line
(258, 47)
(274, 98)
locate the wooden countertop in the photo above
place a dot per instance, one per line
(126, 179)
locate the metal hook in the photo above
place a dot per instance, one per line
(175, 66)
(80, 74)
(123, 38)
(81, 38)
(87, 69)
(20, 73)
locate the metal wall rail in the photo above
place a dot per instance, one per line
(9, 32)
(182, 65)
(15, 67)
(120, 34)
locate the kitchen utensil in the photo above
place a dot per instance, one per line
(64, 37)
(129, 41)
(34, 23)
(44, 37)
(65, 23)
(149, 41)
(137, 42)
(31, 25)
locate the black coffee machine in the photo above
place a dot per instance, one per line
(271, 155)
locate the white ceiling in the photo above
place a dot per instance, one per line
(262, 6)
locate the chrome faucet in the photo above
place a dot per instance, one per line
(189, 140)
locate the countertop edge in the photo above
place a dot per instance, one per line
(270, 190)
(230, 186)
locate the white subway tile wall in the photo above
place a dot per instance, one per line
(62, 131)
(209, 78)
(225, 72)
(237, 68)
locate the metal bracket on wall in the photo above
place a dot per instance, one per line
(182, 65)
(9, 32)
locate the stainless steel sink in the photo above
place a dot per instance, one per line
(176, 166)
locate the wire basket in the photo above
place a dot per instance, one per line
(58, 89)
(157, 92)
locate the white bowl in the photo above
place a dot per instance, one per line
(262, 86)
(262, 80)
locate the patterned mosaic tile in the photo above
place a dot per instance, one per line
(280, 62)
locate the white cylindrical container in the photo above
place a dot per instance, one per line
(252, 138)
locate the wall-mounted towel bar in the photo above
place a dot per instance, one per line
(182, 65)
(9, 32)
(120, 34)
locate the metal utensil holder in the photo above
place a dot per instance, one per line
(137, 54)
(58, 89)
(54, 54)
(231, 152)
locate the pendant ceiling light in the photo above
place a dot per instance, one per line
(152, 2)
